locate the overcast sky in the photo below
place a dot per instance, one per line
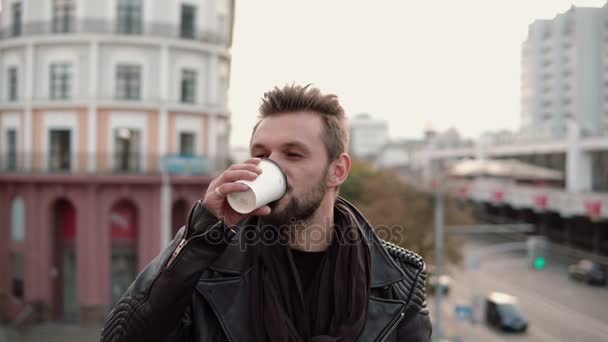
(412, 63)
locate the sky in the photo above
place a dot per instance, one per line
(414, 64)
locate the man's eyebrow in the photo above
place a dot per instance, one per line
(296, 144)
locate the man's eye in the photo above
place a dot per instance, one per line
(293, 155)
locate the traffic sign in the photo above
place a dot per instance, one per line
(463, 312)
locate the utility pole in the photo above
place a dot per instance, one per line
(439, 230)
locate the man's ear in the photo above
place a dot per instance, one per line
(338, 171)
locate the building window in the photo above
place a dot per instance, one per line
(188, 86)
(63, 16)
(223, 89)
(221, 28)
(17, 219)
(61, 81)
(16, 28)
(128, 82)
(129, 17)
(127, 154)
(187, 27)
(13, 84)
(17, 270)
(11, 150)
(60, 152)
(186, 143)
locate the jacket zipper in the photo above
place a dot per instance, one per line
(393, 327)
(176, 252)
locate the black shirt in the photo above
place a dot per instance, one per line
(307, 264)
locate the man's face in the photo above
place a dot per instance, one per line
(294, 141)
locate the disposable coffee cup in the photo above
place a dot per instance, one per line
(268, 187)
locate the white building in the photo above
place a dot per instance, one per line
(367, 136)
(565, 73)
(103, 85)
(94, 95)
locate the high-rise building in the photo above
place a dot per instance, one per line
(565, 73)
(96, 97)
(367, 136)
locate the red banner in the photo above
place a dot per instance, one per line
(541, 201)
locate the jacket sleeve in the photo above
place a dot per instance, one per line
(156, 304)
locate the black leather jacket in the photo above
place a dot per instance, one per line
(197, 290)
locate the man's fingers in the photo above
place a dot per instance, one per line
(227, 188)
(231, 176)
(248, 167)
(263, 211)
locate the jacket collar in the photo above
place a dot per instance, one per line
(237, 259)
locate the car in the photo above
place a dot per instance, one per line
(503, 312)
(433, 281)
(443, 282)
(588, 271)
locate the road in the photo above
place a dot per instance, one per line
(558, 309)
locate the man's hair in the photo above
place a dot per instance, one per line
(297, 98)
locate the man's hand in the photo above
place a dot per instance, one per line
(215, 198)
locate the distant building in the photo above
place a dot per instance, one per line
(367, 136)
(398, 154)
(565, 73)
(95, 95)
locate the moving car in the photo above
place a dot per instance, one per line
(588, 271)
(503, 312)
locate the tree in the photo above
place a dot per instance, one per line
(399, 213)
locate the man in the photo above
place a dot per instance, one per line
(307, 267)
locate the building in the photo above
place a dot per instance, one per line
(565, 73)
(96, 99)
(367, 136)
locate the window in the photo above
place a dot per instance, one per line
(61, 79)
(60, 152)
(128, 82)
(13, 84)
(63, 16)
(186, 144)
(127, 144)
(221, 27)
(223, 89)
(11, 150)
(17, 219)
(16, 28)
(188, 86)
(17, 270)
(187, 27)
(129, 17)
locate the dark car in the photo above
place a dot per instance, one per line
(588, 271)
(503, 312)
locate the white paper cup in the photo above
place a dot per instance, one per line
(270, 186)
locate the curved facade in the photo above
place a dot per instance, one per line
(93, 96)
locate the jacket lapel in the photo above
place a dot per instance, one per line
(381, 314)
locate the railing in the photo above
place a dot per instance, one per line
(94, 26)
(110, 163)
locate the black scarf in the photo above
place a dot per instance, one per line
(334, 308)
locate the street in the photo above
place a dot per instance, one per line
(558, 309)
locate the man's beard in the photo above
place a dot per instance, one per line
(298, 209)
